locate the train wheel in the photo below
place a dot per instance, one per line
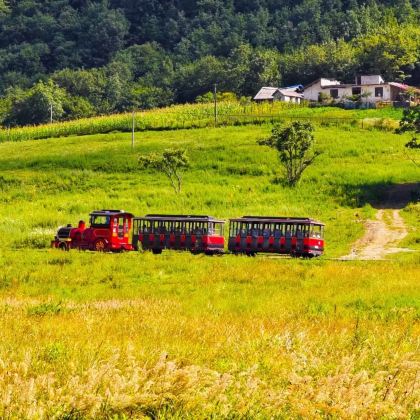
(157, 251)
(63, 246)
(100, 245)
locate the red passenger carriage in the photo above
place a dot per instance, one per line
(192, 233)
(282, 235)
(109, 231)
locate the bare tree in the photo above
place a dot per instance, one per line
(172, 162)
(293, 143)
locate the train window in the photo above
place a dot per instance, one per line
(217, 229)
(99, 221)
(235, 227)
(120, 225)
(162, 228)
(255, 230)
(316, 231)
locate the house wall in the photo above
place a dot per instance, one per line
(347, 91)
(312, 93)
(284, 98)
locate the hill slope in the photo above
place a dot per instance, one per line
(178, 335)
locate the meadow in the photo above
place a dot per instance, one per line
(85, 335)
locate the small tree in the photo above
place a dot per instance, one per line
(172, 162)
(293, 143)
(410, 123)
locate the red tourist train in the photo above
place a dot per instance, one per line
(117, 230)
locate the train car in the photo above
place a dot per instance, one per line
(197, 234)
(109, 230)
(298, 237)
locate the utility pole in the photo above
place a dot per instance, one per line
(215, 104)
(133, 128)
(51, 113)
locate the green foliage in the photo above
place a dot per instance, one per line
(172, 162)
(3, 7)
(221, 97)
(294, 144)
(410, 123)
(34, 106)
(144, 97)
(116, 54)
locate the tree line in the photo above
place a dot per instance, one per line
(85, 57)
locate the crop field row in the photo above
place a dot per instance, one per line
(137, 335)
(202, 115)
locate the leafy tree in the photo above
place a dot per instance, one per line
(293, 143)
(3, 7)
(389, 51)
(149, 64)
(147, 97)
(410, 123)
(103, 33)
(173, 162)
(34, 106)
(199, 77)
(76, 107)
(221, 97)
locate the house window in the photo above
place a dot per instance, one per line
(334, 93)
(356, 91)
(379, 92)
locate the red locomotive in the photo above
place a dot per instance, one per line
(298, 237)
(196, 234)
(109, 231)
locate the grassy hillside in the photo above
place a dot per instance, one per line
(93, 335)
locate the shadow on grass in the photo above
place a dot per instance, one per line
(382, 195)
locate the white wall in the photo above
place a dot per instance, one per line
(347, 91)
(312, 92)
(371, 80)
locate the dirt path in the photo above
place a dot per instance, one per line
(385, 232)
(381, 237)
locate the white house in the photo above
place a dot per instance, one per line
(278, 94)
(371, 88)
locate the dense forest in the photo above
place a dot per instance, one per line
(88, 57)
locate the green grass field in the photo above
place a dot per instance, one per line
(85, 335)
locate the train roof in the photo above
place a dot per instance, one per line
(111, 213)
(180, 218)
(278, 219)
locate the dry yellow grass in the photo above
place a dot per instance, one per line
(149, 357)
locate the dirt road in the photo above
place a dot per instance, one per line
(385, 232)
